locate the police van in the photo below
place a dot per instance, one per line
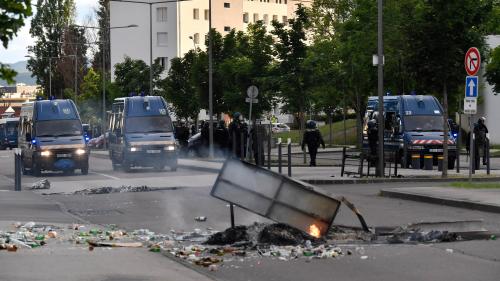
(413, 126)
(51, 137)
(141, 134)
(8, 132)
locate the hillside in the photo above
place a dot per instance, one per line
(23, 74)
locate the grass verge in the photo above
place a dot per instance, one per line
(337, 129)
(476, 185)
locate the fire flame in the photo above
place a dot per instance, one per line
(314, 231)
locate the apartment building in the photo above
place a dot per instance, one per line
(181, 26)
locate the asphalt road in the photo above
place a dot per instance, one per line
(161, 211)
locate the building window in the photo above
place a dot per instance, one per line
(255, 17)
(207, 15)
(161, 14)
(196, 38)
(285, 1)
(227, 28)
(196, 14)
(275, 17)
(245, 17)
(162, 38)
(266, 19)
(285, 20)
(164, 63)
(227, 5)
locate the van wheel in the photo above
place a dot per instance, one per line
(158, 167)
(173, 168)
(127, 167)
(36, 170)
(85, 170)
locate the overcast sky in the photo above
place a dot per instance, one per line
(18, 46)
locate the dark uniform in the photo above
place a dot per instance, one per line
(312, 137)
(258, 135)
(221, 137)
(237, 129)
(182, 135)
(480, 143)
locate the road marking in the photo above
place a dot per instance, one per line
(107, 176)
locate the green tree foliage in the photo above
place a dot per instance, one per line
(48, 27)
(102, 13)
(14, 12)
(132, 76)
(90, 99)
(493, 70)
(178, 88)
(291, 75)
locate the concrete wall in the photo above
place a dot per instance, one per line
(489, 102)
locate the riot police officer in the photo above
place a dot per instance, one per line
(312, 137)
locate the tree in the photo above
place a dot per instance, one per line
(48, 26)
(290, 74)
(132, 76)
(493, 70)
(11, 20)
(178, 87)
(103, 22)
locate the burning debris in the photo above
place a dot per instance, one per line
(283, 235)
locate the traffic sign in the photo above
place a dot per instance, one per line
(472, 61)
(470, 105)
(253, 100)
(252, 92)
(471, 86)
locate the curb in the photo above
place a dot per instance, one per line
(441, 201)
(197, 168)
(389, 180)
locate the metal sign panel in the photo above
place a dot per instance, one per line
(253, 100)
(471, 86)
(275, 196)
(470, 105)
(472, 61)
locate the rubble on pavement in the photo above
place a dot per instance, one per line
(41, 184)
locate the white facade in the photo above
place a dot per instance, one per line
(185, 25)
(489, 102)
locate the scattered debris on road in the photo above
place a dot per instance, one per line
(121, 189)
(41, 184)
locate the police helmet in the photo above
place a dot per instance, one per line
(310, 124)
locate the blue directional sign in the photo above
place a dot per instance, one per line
(471, 86)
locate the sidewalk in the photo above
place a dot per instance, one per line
(477, 199)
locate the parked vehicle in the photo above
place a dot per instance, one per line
(280, 128)
(8, 132)
(141, 134)
(51, 137)
(413, 125)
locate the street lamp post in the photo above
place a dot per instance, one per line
(380, 67)
(210, 84)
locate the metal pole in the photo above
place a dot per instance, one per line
(279, 155)
(269, 139)
(231, 208)
(76, 75)
(380, 66)
(50, 77)
(343, 111)
(151, 49)
(250, 123)
(330, 122)
(289, 142)
(103, 54)
(459, 138)
(471, 149)
(17, 165)
(487, 156)
(210, 82)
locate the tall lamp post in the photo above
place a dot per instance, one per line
(103, 54)
(210, 84)
(380, 67)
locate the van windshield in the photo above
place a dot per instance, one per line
(12, 128)
(58, 128)
(421, 123)
(148, 124)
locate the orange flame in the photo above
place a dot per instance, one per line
(314, 231)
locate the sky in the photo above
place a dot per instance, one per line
(17, 49)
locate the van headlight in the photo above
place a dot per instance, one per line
(45, 153)
(134, 149)
(416, 147)
(80, 151)
(170, 147)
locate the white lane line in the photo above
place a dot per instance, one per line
(107, 176)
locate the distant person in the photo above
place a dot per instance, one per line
(481, 142)
(194, 130)
(237, 129)
(372, 131)
(221, 137)
(258, 135)
(312, 137)
(205, 133)
(182, 135)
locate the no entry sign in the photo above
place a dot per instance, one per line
(472, 61)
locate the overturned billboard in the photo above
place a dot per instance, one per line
(276, 197)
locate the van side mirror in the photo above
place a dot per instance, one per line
(28, 137)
